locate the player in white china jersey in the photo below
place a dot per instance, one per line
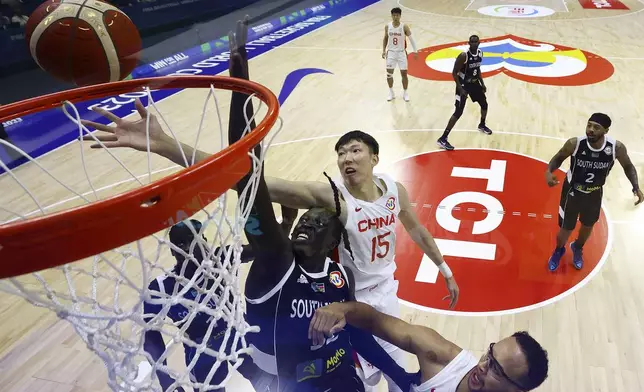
(517, 363)
(394, 51)
(371, 206)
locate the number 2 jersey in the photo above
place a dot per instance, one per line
(282, 346)
(589, 167)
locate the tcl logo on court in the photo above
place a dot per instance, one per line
(495, 221)
(603, 4)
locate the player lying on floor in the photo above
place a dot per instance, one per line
(516, 363)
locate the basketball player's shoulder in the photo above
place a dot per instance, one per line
(620, 148)
(434, 348)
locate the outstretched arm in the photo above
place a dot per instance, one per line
(303, 195)
(629, 169)
(433, 351)
(270, 243)
(425, 241)
(564, 152)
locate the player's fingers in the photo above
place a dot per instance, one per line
(339, 326)
(143, 112)
(328, 325)
(106, 145)
(97, 126)
(452, 303)
(108, 115)
(103, 138)
(316, 328)
(312, 324)
(232, 42)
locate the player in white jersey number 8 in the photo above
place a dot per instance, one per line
(370, 206)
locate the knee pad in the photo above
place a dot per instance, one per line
(483, 104)
(390, 75)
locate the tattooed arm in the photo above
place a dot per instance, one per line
(629, 169)
(556, 161)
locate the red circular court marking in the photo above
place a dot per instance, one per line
(515, 275)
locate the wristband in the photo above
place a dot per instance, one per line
(445, 271)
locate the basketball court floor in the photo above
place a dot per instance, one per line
(549, 65)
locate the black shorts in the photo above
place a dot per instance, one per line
(474, 91)
(575, 204)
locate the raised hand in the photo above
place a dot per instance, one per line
(238, 65)
(640, 196)
(126, 133)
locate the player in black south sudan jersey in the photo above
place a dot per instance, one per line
(467, 75)
(289, 279)
(591, 159)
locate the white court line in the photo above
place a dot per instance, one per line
(535, 20)
(314, 138)
(435, 130)
(565, 5)
(378, 50)
(330, 48)
(470, 4)
(625, 58)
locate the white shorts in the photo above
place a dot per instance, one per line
(384, 298)
(395, 58)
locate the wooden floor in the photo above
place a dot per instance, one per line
(594, 337)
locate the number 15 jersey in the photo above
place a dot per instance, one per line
(371, 230)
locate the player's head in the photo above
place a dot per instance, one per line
(395, 14)
(181, 235)
(318, 232)
(516, 363)
(474, 42)
(357, 156)
(597, 127)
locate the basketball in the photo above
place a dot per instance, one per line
(83, 42)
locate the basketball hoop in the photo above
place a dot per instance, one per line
(100, 256)
(52, 240)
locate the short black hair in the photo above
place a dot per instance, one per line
(473, 36)
(537, 360)
(361, 137)
(396, 10)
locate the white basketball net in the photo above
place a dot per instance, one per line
(103, 297)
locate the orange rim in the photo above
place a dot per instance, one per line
(66, 236)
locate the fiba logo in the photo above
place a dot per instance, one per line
(516, 11)
(336, 279)
(391, 203)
